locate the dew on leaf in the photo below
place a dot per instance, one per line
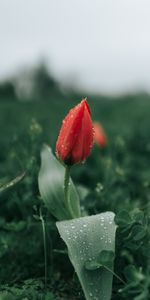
(84, 225)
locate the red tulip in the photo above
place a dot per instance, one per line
(75, 139)
(99, 134)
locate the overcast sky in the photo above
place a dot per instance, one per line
(103, 45)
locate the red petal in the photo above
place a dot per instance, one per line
(99, 134)
(84, 141)
(76, 135)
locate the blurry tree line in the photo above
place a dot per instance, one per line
(38, 83)
(31, 84)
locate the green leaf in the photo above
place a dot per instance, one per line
(131, 289)
(6, 296)
(11, 183)
(138, 232)
(91, 240)
(132, 245)
(143, 295)
(92, 265)
(51, 186)
(49, 296)
(132, 274)
(123, 218)
(83, 191)
(106, 258)
(138, 216)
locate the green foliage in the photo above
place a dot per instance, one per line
(91, 245)
(11, 184)
(116, 178)
(133, 245)
(51, 185)
(106, 258)
(30, 289)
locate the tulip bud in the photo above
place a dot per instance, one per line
(75, 139)
(99, 134)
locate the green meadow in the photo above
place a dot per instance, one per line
(116, 179)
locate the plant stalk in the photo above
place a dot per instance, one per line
(45, 246)
(67, 190)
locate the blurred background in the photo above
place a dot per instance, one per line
(52, 54)
(96, 47)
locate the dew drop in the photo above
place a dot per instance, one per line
(84, 225)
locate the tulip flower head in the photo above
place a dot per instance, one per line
(75, 139)
(99, 135)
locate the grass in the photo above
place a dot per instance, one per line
(116, 178)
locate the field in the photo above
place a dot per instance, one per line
(116, 178)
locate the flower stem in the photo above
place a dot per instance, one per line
(66, 190)
(45, 246)
(117, 276)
